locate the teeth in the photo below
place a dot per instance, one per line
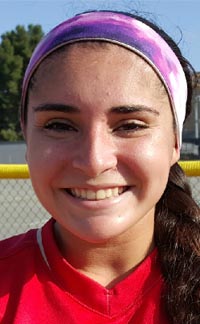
(100, 194)
(97, 195)
(109, 193)
(77, 192)
(83, 194)
(91, 195)
(117, 191)
(121, 190)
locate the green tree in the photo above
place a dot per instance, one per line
(15, 51)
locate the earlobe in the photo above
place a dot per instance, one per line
(175, 154)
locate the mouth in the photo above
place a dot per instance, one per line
(100, 194)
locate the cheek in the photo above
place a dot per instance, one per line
(148, 159)
(46, 159)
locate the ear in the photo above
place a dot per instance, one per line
(23, 128)
(175, 152)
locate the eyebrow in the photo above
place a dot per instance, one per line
(56, 107)
(126, 109)
(131, 109)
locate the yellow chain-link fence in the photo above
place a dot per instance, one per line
(20, 209)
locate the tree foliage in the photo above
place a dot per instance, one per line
(16, 48)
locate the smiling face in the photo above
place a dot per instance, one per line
(100, 141)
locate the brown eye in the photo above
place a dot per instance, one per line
(59, 126)
(132, 126)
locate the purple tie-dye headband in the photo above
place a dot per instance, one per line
(125, 31)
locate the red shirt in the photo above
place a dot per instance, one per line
(37, 286)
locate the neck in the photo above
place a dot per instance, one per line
(108, 262)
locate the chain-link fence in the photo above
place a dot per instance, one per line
(20, 209)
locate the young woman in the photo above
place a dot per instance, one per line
(104, 99)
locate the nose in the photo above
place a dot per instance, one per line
(96, 153)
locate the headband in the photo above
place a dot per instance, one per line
(125, 31)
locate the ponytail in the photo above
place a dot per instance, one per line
(177, 236)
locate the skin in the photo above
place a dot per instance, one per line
(97, 145)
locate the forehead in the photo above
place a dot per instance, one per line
(84, 56)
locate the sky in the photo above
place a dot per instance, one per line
(179, 18)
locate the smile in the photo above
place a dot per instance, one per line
(100, 194)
